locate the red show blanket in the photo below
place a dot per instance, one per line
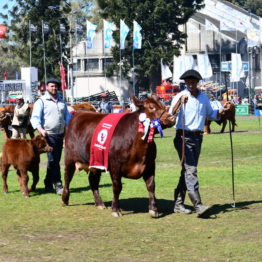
(101, 139)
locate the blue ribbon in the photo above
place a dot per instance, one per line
(156, 124)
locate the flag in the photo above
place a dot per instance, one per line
(62, 28)
(91, 31)
(211, 26)
(237, 67)
(165, 71)
(3, 30)
(253, 37)
(191, 28)
(137, 37)
(260, 29)
(63, 77)
(16, 75)
(108, 32)
(182, 64)
(5, 75)
(124, 29)
(204, 66)
(227, 26)
(33, 28)
(46, 28)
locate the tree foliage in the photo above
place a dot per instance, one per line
(162, 38)
(254, 6)
(36, 13)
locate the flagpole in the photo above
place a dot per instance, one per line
(44, 48)
(236, 53)
(104, 55)
(30, 43)
(133, 73)
(120, 69)
(220, 58)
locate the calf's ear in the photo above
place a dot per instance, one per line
(155, 97)
(138, 102)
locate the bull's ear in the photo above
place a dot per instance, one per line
(138, 102)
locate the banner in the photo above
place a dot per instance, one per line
(108, 33)
(62, 28)
(5, 75)
(137, 37)
(204, 66)
(165, 71)
(124, 29)
(182, 64)
(46, 28)
(33, 28)
(91, 31)
(237, 67)
(63, 77)
(3, 31)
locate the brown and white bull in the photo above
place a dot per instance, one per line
(129, 155)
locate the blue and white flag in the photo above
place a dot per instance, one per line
(137, 36)
(124, 29)
(108, 32)
(90, 33)
(165, 71)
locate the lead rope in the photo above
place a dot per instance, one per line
(183, 136)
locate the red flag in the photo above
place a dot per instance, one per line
(63, 77)
(5, 75)
(3, 30)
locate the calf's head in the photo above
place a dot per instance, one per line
(41, 144)
(153, 108)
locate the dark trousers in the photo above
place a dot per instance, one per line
(188, 178)
(53, 173)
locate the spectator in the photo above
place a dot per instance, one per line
(104, 105)
(20, 119)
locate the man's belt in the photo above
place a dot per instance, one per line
(187, 132)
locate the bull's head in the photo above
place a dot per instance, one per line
(41, 144)
(153, 108)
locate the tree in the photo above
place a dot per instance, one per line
(162, 38)
(254, 6)
(37, 12)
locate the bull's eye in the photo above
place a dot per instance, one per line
(152, 108)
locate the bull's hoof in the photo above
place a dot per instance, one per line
(26, 195)
(64, 204)
(153, 213)
(101, 207)
(116, 214)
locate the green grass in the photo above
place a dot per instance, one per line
(40, 229)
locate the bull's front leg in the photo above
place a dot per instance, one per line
(117, 188)
(150, 184)
(224, 123)
(94, 179)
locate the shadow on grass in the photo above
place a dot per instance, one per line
(217, 209)
(40, 191)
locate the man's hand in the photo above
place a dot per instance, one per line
(42, 131)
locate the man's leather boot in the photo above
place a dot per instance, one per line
(179, 203)
(196, 201)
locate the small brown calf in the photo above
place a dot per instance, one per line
(24, 155)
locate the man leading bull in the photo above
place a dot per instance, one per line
(189, 135)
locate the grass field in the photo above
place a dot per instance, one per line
(40, 229)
